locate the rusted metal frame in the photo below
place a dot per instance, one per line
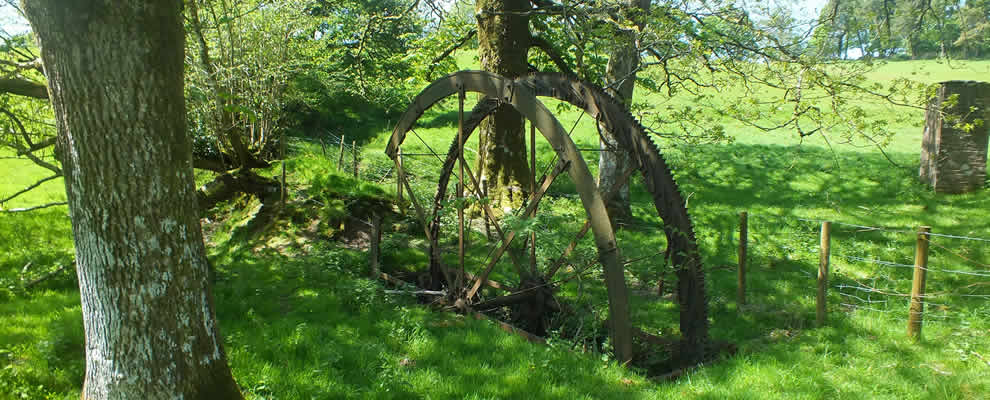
(433, 152)
(569, 133)
(490, 216)
(532, 188)
(660, 183)
(552, 270)
(421, 214)
(460, 186)
(490, 283)
(591, 199)
(535, 200)
(473, 81)
(522, 98)
(400, 174)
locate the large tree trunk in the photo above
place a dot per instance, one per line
(504, 42)
(115, 72)
(620, 76)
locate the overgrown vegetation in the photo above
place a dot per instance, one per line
(301, 319)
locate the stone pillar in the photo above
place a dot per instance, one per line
(954, 147)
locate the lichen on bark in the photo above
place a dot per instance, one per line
(115, 71)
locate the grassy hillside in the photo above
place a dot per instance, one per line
(300, 321)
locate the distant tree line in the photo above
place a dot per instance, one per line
(914, 29)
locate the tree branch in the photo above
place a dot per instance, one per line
(33, 64)
(23, 87)
(448, 51)
(543, 44)
(34, 185)
(38, 146)
(48, 275)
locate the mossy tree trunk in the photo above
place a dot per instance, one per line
(115, 71)
(504, 41)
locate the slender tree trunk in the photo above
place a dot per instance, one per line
(222, 118)
(620, 76)
(504, 42)
(115, 71)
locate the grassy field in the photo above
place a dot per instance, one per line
(300, 321)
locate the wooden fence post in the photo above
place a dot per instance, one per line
(354, 153)
(823, 260)
(374, 249)
(917, 308)
(743, 239)
(340, 157)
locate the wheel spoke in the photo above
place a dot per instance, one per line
(587, 224)
(535, 200)
(426, 226)
(420, 214)
(460, 185)
(490, 217)
(434, 153)
(532, 188)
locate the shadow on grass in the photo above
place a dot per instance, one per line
(311, 327)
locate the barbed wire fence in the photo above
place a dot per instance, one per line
(870, 268)
(901, 275)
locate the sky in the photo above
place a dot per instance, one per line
(12, 23)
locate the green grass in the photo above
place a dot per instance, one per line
(299, 321)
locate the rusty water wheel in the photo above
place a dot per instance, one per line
(523, 100)
(682, 251)
(530, 294)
